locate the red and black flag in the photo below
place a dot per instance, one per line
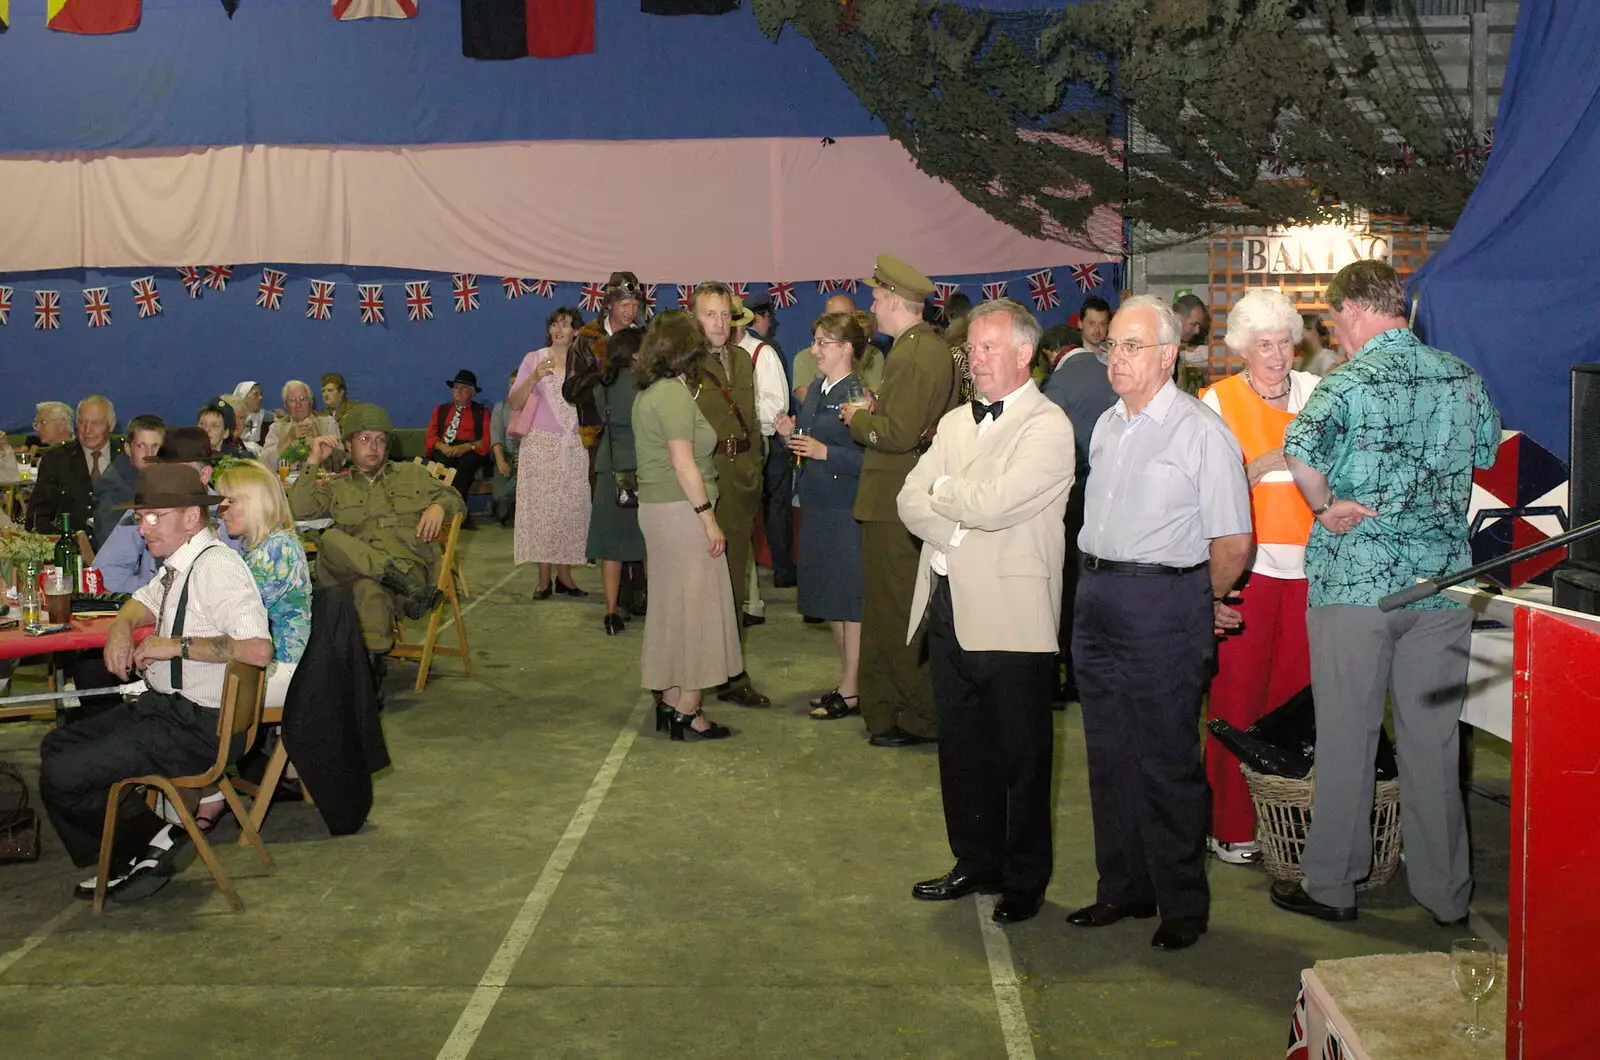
(517, 29)
(688, 7)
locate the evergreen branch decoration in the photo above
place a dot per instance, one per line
(1175, 114)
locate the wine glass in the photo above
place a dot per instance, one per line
(1474, 966)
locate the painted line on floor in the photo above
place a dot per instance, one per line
(483, 999)
(1483, 930)
(1003, 976)
(476, 600)
(45, 930)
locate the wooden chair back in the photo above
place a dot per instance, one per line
(444, 474)
(86, 548)
(424, 650)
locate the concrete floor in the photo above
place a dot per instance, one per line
(747, 898)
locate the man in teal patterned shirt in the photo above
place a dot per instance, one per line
(1384, 453)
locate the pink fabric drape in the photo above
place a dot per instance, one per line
(675, 211)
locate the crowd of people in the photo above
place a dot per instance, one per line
(993, 520)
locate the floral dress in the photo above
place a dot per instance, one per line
(279, 567)
(552, 520)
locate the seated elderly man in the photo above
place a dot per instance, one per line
(301, 425)
(384, 543)
(52, 425)
(206, 611)
(68, 473)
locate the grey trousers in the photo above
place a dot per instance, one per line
(1419, 658)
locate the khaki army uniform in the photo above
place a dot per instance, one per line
(374, 523)
(738, 458)
(920, 384)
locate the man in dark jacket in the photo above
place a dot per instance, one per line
(68, 473)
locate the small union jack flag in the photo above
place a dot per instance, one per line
(941, 296)
(190, 275)
(1043, 290)
(97, 307)
(591, 296)
(740, 290)
(1487, 142)
(217, 276)
(269, 292)
(1466, 153)
(371, 296)
(685, 295)
(782, 294)
(319, 303)
(46, 310)
(419, 302)
(543, 288)
(1298, 1049)
(464, 289)
(836, 285)
(515, 286)
(1088, 277)
(5, 304)
(993, 292)
(1333, 1046)
(146, 297)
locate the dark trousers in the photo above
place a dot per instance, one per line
(155, 733)
(468, 465)
(996, 746)
(895, 689)
(88, 669)
(1069, 581)
(778, 496)
(1142, 647)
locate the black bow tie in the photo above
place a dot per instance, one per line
(980, 410)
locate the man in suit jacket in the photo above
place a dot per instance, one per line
(988, 502)
(67, 473)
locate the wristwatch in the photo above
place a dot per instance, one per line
(1325, 505)
(183, 646)
(706, 507)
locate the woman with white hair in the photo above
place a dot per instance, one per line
(253, 430)
(1266, 661)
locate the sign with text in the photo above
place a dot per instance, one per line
(1324, 249)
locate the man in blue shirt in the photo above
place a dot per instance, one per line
(1384, 452)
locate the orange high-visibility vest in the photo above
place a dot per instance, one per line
(1280, 514)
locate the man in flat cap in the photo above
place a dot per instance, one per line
(920, 384)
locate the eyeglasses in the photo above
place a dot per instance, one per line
(1128, 349)
(151, 518)
(370, 438)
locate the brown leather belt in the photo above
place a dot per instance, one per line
(1113, 566)
(733, 446)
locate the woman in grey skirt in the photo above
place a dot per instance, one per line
(691, 638)
(614, 537)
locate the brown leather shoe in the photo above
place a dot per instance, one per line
(742, 692)
(1104, 914)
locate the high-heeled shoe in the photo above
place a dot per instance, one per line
(568, 590)
(664, 712)
(543, 594)
(682, 727)
(614, 624)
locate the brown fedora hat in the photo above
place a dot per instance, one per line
(170, 486)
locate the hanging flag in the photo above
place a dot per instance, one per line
(941, 296)
(97, 307)
(217, 276)
(5, 15)
(1088, 277)
(782, 294)
(516, 29)
(5, 295)
(190, 275)
(230, 6)
(464, 288)
(46, 310)
(543, 288)
(740, 290)
(824, 286)
(591, 296)
(269, 293)
(650, 299)
(1043, 290)
(371, 295)
(146, 297)
(993, 292)
(319, 303)
(515, 286)
(419, 302)
(92, 16)
(350, 10)
(685, 295)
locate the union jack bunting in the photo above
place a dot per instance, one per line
(543, 288)
(217, 276)
(591, 296)
(1298, 1049)
(515, 286)
(1487, 142)
(371, 296)
(97, 307)
(46, 310)
(319, 303)
(419, 302)
(685, 295)
(464, 289)
(1088, 277)
(824, 286)
(5, 304)
(782, 294)
(941, 296)
(190, 275)
(650, 298)
(1043, 290)
(995, 291)
(269, 292)
(1466, 153)
(146, 297)
(350, 10)
(740, 290)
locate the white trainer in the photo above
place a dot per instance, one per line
(1236, 853)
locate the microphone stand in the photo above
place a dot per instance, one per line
(1424, 589)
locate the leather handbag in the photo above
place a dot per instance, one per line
(19, 824)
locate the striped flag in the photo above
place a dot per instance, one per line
(92, 16)
(517, 29)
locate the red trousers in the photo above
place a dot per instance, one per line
(1258, 670)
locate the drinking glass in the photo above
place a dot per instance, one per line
(58, 595)
(795, 458)
(1474, 966)
(855, 394)
(284, 467)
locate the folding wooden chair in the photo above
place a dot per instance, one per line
(447, 475)
(425, 650)
(244, 687)
(85, 548)
(277, 762)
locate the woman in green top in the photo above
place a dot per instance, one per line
(691, 637)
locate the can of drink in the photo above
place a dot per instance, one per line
(93, 581)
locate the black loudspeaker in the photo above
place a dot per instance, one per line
(1583, 504)
(1577, 589)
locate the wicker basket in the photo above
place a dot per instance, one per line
(1283, 814)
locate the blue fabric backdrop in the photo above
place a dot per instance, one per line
(1512, 291)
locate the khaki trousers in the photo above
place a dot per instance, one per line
(356, 566)
(895, 686)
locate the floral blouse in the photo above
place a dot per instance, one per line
(279, 567)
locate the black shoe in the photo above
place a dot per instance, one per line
(421, 606)
(1293, 897)
(84, 891)
(402, 584)
(741, 691)
(1179, 933)
(1104, 914)
(1017, 906)
(615, 625)
(952, 885)
(813, 620)
(543, 594)
(898, 737)
(664, 713)
(753, 620)
(1458, 922)
(138, 878)
(784, 581)
(568, 590)
(681, 727)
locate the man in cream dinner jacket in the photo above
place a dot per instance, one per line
(987, 500)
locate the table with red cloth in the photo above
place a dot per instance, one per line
(87, 633)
